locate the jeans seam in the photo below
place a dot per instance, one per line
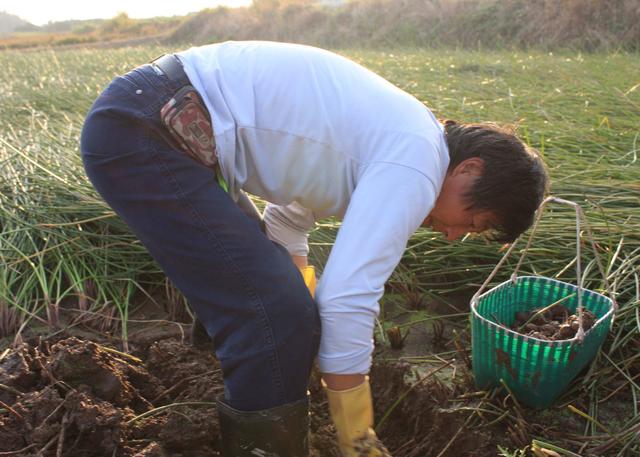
(256, 302)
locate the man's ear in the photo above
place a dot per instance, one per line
(472, 166)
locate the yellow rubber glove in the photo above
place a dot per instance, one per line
(309, 275)
(352, 414)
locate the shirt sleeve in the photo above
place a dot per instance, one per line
(389, 203)
(289, 226)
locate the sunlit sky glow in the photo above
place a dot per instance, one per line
(40, 12)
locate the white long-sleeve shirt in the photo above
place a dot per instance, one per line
(317, 135)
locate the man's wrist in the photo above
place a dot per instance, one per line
(342, 381)
(300, 260)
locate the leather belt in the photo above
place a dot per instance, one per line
(172, 68)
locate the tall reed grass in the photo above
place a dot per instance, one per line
(580, 111)
(61, 247)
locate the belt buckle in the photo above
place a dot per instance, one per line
(155, 67)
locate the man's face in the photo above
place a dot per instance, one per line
(450, 214)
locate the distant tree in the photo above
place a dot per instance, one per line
(298, 2)
(85, 29)
(120, 22)
(265, 6)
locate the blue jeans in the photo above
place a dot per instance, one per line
(243, 287)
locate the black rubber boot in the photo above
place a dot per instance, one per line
(282, 431)
(198, 336)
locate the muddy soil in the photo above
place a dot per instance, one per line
(79, 398)
(555, 323)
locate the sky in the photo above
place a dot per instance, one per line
(40, 12)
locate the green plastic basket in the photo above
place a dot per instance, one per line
(536, 371)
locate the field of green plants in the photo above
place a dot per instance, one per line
(62, 250)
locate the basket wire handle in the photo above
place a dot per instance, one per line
(474, 299)
(579, 216)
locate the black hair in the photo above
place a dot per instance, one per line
(514, 179)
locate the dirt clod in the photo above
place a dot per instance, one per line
(88, 400)
(16, 373)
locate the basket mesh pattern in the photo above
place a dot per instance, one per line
(536, 371)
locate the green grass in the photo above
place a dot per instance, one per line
(60, 244)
